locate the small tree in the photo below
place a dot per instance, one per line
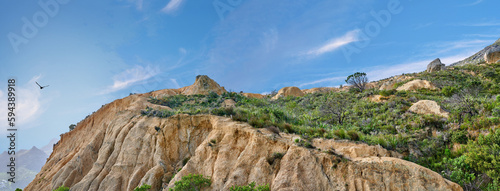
(358, 81)
(71, 127)
(337, 106)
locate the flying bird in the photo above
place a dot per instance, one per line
(41, 87)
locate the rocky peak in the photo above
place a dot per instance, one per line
(203, 85)
(435, 66)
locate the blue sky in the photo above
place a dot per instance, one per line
(93, 52)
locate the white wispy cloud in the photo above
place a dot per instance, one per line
(473, 3)
(130, 77)
(323, 80)
(28, 103)
(480, 24)
(174, 82)
(172, 6)
(440, 48)
(334, 44)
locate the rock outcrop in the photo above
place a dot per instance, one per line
(428, 107)
(288, 91)
(117, 148)
(228, 103)
(203, 85)
(415, 85)
(435, 66)
(492, 56)
(388, 84)
(253, 95)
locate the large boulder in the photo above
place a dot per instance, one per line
(435, 66)
(492, 56)
(416, 84)
(203, 85)
(228, 103)
(428, 107)
(288, 91)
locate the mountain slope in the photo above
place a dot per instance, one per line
(117, 148)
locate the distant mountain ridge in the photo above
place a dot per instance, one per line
(478, 57)
(28, 164)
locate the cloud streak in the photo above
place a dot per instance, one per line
(172, 6)
(130, 77)
(336, 43)
(28, 103)
(473, 3)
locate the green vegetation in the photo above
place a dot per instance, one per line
(143, 187)
(250, 187)
(19, 189)
(469, 93)
(191, 182)
(62, 188)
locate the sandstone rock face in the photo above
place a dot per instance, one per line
(203, 85)
(428, 107)
(116, 148)
(435, 66)
(252, 95)
(492, 56)
(288, 91)
(389, 83)
(415, 85)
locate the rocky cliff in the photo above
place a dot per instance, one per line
(117, 148)
(479, 56)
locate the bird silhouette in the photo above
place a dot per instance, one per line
(41, 87)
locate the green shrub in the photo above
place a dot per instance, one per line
(496, 111)
(353, 135)
(340, 133)
(19, 189)
(484, 153)
(144, 187)
(62, 188)
(457, 170)
(448, 91)
(191, 182)
(386, 93)
(250, 187)
(459, 137)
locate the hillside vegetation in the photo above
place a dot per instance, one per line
(464, 148)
